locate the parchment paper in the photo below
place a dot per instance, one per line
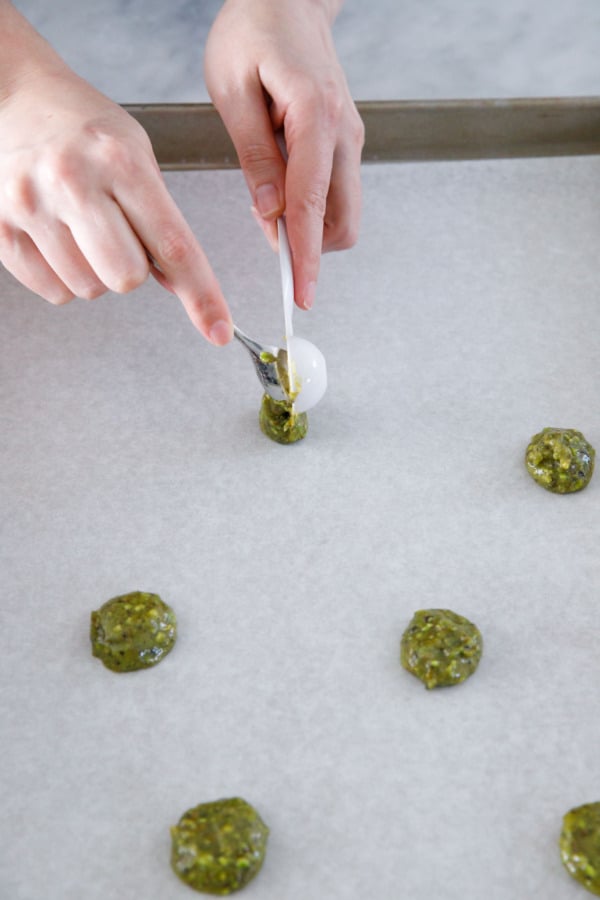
(466, 319)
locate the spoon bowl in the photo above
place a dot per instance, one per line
(308, 370)
(266, 363)
(298, 373)
(309, 373)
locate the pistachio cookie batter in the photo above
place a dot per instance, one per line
(133, 631)
(560, 459)
(580, 845)
(219, 847)
(280, 422)
(440, 647)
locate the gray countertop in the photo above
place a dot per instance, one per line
(140, 51)
(466, 319)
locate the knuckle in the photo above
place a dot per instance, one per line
(174, 248)
(20, 194)
(118, 157)
(323, 97)
(112, 151)
(62, 175)
(58, 168)
(6, 234)
(358, 129)
(342, 235)
(129, 279)
(59, 295)
(117, 152)
(139, 134)
(314, 202)
(256, 155)
(331, 103)
(203, 309)
(91, 291)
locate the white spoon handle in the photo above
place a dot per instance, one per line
(287, 278)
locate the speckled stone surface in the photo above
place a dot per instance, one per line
(149, 50)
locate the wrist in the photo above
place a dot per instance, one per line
(23, 52)
(327, 8)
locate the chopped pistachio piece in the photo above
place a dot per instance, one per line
(440, 647)
(133, 631)
(580, 845)
(560, 459)
(288, 377)
(280, 422)
(219, 847)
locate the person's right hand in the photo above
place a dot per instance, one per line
(272, 67)
(83, 205)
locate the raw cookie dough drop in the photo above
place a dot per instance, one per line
(133, 631)
(218, 847)
(440, 647)
(580, 845)
(560, 459)
(279, 421)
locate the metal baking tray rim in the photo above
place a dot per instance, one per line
(192, 135)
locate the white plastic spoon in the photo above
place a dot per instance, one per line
(307, 370)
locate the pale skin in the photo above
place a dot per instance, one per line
(84, 208)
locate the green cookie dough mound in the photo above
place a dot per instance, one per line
(440, 647)
(279, 421)
(219, 847)
(133, 631)
(580, 845)
(560, 459)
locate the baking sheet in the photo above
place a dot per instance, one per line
(192, 135)
(465, 320)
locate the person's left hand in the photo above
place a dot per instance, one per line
(272, 66)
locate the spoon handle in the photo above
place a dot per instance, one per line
(287, 278)
(287, 289)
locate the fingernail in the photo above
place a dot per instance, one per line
(220, 333)
(308, 297)
(267, 201)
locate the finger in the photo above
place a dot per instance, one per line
(158, 275)
(162, 230)
(249, 125)
(113, 250)
(269, 229)
(310, 163)
(342, 215)
(22, 258)
(62, 254)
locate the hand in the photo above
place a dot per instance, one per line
(271, 66)
(83, 206)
